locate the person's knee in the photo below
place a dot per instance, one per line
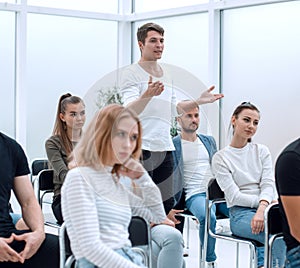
(174, 236)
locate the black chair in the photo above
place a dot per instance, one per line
(37, 165)
(215, 195)
(273, 231)
(43, 184)
(140, 237)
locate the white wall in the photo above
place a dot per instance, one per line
(261, 62)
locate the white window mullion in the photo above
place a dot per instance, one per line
(20, 74)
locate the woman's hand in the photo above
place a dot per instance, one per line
(257, 222)
(166, 222)
(132, 169)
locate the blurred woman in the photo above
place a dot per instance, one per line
(108, 186)
(70, 118)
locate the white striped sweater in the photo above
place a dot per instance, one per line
(97, 209)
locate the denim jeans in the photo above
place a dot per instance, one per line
(196, 205)
(167, 247)
(15, 217)
(126, 252)
(293, 258)
(240, 225)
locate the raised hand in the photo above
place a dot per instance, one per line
(208, 97)
(154, 88)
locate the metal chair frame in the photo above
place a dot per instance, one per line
(273, 231)
(44, 183)
(66, 260)
(188, 216)
(215, 198)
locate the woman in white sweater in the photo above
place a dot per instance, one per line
(97, 207)
(244, 172)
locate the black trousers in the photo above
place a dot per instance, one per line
(160, 167)
(56, 208)
(46, 257)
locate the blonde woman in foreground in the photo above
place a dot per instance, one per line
(107, 186)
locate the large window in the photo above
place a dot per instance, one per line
(186, 49)
(64, 55)
(151, 5)
(260, 64)
(179, 49)
(103, 6)
(7, 73)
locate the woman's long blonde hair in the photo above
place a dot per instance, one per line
(95, 148)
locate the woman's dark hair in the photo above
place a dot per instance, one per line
(60, 127)
(244, 105)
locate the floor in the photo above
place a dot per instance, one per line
(225, 250)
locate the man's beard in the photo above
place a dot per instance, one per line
(189, 130)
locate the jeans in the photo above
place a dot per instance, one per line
(240, 225)
(293, 258)
(125, 252)
(15, 217)
(196, 205)
(167, 247)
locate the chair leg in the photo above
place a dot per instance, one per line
(187, 233)
(237, 257)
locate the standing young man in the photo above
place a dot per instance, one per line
(192, 157)
(147, 87)
(22, 248)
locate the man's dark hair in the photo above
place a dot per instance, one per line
(144, 29)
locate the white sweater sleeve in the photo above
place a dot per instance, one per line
(224, 176)
(83, 225)
(267, 184)
(130, 85)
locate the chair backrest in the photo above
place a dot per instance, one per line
(214, 191)
(273, 231)
(273, 219)
(45, 179)
(43, 182)
(37, 165)
(140, 237)
(138, 231)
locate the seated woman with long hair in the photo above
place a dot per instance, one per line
(244, 172)
(69, 121)
(97, 200)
